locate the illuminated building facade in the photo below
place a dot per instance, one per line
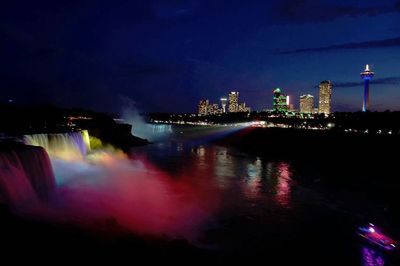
(243, 108)
(279, 104)
(203, 107)
(207, 108)
(223, 104)
(290, 106)
(325, 95)
(366, 75)
(307, 104)
(213, 109)
(233, 102)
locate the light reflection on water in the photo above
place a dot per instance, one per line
(258, 203)
(371, 257)
(253, 177)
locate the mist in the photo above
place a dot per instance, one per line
(140, 127)
(132, 192)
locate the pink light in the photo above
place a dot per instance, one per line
(372, 230)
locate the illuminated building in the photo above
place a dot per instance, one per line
(306, 103)
(213, 109)
(290, 106)
(325, 95)
(242, 108)
(367, 76)
(279, 103)
(203, 107)
(223, 104)
(233, 102)
(207, 108)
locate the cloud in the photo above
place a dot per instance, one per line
(393, 42)
(381, 81)
(303, 11)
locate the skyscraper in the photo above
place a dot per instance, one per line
(290, 106)
(306, 103)
(325, 95)
(233, 102)
(213, 109)
(223, 104)
(203, 107)
(367, 76)
(280, 101)
(243, 108)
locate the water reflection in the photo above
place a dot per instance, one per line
(255, 200)
(371, 257)
(223, 168)
(283, 187)
(255, 177)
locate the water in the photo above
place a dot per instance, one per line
(239, 206)
(67, 146)
(264, 210)
(26, 175)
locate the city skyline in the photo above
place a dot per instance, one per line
(281, 102)
(99, 55)
(205, 107)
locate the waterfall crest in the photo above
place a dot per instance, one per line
(67, 146)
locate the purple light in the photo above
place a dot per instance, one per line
(372, 230)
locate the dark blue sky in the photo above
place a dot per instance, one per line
(166, 55)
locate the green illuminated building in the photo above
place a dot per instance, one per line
(280, 104)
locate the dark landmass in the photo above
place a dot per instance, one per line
(20, 120)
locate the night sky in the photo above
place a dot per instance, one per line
(166, 55)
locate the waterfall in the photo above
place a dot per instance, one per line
(161, 128)
(26, 174)
(67, 146)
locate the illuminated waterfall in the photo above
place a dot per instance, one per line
(161, 129)
(67, 146)
(26, 175)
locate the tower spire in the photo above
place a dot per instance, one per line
(366, 75)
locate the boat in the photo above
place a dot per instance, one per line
(376, 237)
